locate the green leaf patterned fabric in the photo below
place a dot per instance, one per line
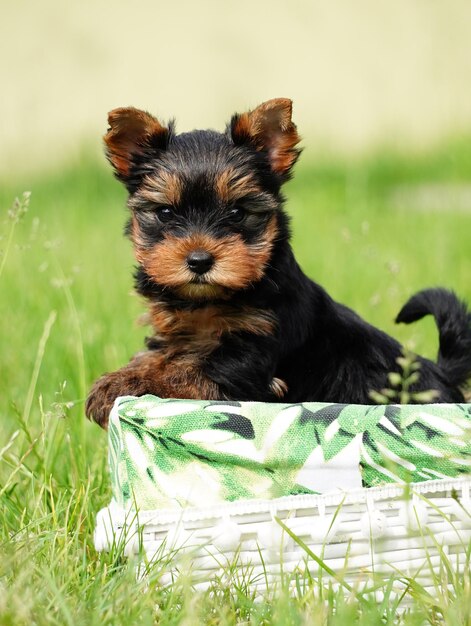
(168, 454)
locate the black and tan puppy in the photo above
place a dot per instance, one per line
(232, 313)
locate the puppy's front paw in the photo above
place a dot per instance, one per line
(101, 398)
(278, 387)
(128, 381)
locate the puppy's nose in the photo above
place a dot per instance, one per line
(200, 261)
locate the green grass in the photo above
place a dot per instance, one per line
(67, 315)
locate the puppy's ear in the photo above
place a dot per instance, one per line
(133, 137)
(269, 127)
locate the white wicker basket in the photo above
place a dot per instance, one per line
(397, 530)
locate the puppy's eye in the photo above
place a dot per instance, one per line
(165, 213)
(237, 214)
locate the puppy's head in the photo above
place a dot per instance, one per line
(205, 206)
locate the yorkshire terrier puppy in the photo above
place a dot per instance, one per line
(233, 315)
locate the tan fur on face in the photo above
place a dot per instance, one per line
(202, 291)
(230, 187)
(236, 264)
(162, 188)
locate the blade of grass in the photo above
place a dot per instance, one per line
(321, 563)
(37, 364)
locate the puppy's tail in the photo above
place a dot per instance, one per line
(454, 328)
